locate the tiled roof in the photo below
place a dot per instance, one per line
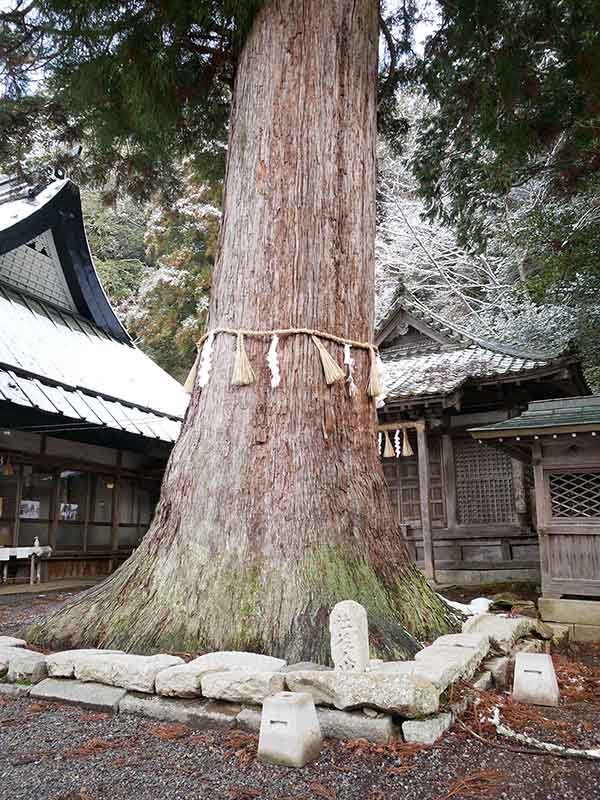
(443, 372)
(548, 415)
(63, 364)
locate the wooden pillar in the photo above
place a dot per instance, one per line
(54, 512)
(115, 518)
(19, 497)
(519, 492)
(542, 513)
(424, 487)
(87, 510)
(449, 472)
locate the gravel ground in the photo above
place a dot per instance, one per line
(63, 753)
(19, 611)
(52, 752)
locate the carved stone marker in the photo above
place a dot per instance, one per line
(349, 630)
(290, 733)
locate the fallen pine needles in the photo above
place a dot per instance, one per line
(478, 785)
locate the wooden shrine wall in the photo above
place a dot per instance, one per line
(567, 484)
(480, 511)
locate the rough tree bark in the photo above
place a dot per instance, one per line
(274, 505)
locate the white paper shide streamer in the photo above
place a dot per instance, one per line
(379, 441)
(273, 362)
(380, 399)
(397, 445)
(206, 360)
(350, 362)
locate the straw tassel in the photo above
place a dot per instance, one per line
(190, 381)
(243, 374)
(388, 447)
(406, 448)
(374, 388)
(333, 371)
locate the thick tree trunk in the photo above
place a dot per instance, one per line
(274, 505)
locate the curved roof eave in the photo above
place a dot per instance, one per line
(58, 208)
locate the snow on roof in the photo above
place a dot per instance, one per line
(57, 346)
(427, 374)
(17, 202)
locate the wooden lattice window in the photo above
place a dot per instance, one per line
(575, 494)
(402, 475)
(484, 484)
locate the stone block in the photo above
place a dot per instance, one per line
(356, 725)
(398, 667)
(336, 724)
(586, 633)
(224, 660)
(535, 680)
(426, 731)
(289, 730)
(10, 641)
(14, 690)
(580, 612)
(478, 642)
(26, 665)
(62, 665)
(304, 666)
(502, 631)
(399, 693)
(560, 633)
(543, 629)
(197, 714)
(482, 681)
(349, 632)
(88, 695)
(135, 673)
(242, 687)
(184, 680)
(464, 661)
(499, 669)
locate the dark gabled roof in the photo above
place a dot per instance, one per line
(68, 359)
(58, 208)
(448, 357)
(547, 417)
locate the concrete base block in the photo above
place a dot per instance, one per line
(88, 695)
(426, 731)
(290, 734)
(579, 612)
(535, 680)
(585, 633)
(334, 724)
(198, 714)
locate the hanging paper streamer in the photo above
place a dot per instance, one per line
(190, 381)
(332, 370)
(243, 374)
(205, 364)
(397, 447)
(379, 441)
(388, 450)
(350, 363)
(374, 387)
(406, 448)
(273, 362)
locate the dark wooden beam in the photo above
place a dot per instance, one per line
(424, 487)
